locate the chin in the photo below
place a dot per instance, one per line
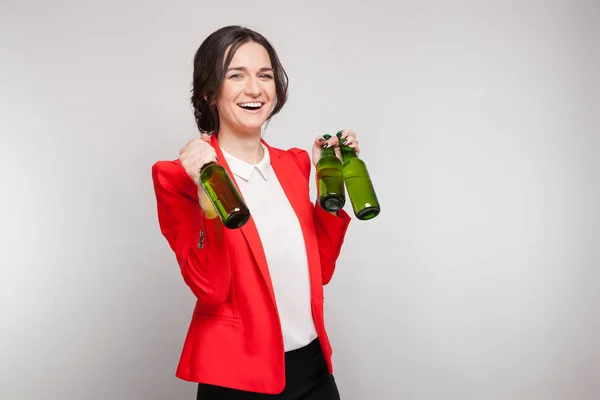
(252, 125)
(248, 128)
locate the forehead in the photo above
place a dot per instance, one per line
(250, 54)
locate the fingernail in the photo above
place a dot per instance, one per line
(321, 140)
(339, 134)
(326, 145)
(345, 140)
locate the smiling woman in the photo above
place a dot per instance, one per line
(258, 329)
(248, 92)
(256, 62)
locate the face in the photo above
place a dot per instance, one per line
(248, 91)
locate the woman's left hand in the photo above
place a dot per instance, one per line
(346, 137)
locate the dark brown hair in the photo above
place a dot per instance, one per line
(210, 67)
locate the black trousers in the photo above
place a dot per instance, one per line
(307, 378)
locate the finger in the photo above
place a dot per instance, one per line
(349, 133)
(205, 137)
(319, 140)
(188, 145)
(211, 153)
(345, 133)
(345, 136)
(186, 148)
(208, 158)
(199, 142)
(200, 146)
(349, 140)
(184, 157)
(329, 142)
(338, 153)
(196, 167)
(207, 155)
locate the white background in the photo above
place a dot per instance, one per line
(478, 121)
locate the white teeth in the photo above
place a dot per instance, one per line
(255, 104)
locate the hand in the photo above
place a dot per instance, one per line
(193, 157)
(346, 136)
(195, 154)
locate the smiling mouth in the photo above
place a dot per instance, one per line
(252, 106)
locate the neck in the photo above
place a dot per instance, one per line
(245, 146)
(348, 152)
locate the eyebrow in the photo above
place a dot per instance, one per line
(244, 69)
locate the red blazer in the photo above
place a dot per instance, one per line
(234, 339)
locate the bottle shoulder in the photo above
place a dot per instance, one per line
(210, 169)
(353, 161)
(329, 161)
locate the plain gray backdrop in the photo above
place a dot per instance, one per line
(478, 121)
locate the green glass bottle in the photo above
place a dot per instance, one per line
(330, 181)
(359, 185)
(224, 196)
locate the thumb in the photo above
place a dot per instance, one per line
(205, 137)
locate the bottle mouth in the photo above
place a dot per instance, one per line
(331, 203)
(368, 213)
(237, 219)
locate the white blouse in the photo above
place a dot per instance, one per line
(283, 243)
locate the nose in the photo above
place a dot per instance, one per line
(253, 87)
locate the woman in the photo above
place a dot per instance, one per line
(257, 330)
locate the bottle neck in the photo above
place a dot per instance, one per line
(348, 152)
(208, 164)
(329, 151)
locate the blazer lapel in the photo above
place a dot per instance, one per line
(248, 230)
(292, 181)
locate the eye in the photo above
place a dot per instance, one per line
(266, 76)
(235, 76)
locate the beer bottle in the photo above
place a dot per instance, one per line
(358, 183)
(330, 182)
(224, 196)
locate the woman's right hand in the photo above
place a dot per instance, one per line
(193, 157)
(195, 154)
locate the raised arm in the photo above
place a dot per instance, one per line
(197, 241)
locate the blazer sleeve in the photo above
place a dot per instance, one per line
(330, 229)
(198, 242)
